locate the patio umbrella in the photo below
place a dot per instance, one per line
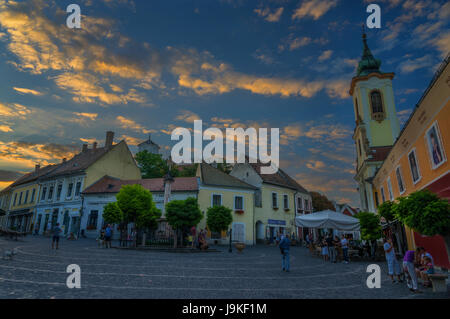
(328, 219)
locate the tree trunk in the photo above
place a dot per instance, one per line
(143, 238)
(175, 238)
(447, 245)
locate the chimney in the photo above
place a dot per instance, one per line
(37, 168)
(85, 148)
(109, 139)
(94, 146)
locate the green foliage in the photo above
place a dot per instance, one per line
(183, 213)
(137, 206)
(369, 225)
(186, 171)
(218, 218)
(153, 165)
(386, 210)
(321, 202)
(112, 213)
(424, 212)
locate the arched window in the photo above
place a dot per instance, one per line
(377, 102)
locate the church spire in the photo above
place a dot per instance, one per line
(368, 63)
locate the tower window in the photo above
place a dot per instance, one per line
(376, 102)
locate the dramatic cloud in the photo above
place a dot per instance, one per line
(313, 8)
(268, 15)
(27, 91)
(132, 125)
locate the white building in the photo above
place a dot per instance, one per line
(104, 191)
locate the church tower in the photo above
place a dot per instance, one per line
(377, 125)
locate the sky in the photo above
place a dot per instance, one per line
(140, 67)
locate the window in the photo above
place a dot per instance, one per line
(15, 199)
(274, 200)
(44, 191)
(377, 201)
(58, 192)
(377, 102)
(216, 200)
(20, 198)
(435, 149)
(258, 198)
(77, 189)
(306, 204)
(26, 196)
(69, 190)
(33, 194)
(286, 201)
(401, 186)
(389, 184)
(50, 192)
(383, 198)
(238, 203)
(299, 203)
(413, 165)
(92, 220)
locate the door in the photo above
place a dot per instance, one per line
(54, 217)
(66, 222)
(38, 223)
(239, 232)
(47, 217)
(259, 231)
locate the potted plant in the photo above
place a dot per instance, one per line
(239, 246)
(239, 211)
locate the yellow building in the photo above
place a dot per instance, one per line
(278, 200)
(419, 158)
(221, 189)
(60, 199)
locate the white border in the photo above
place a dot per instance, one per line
(428, 146)
(413, 150)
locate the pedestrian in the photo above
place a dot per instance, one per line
(428, 270)
(55, 240)
(324, 246)
(331, 248)
(49, 229)
(193, 234)
(285, 245)
(393, 265)
(277, 239)
(344, 245)
(108, 236)
(408, 267)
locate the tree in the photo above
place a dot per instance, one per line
(153, 165)
(112, 213)
(218, 218)
(369, 224)
(137, 206)
(183, 214)
(386, 210)
(426, 213)
(186, 170)
(321, 202)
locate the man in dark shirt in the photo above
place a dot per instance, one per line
(331, 248)
(285, 245)
(56, 231)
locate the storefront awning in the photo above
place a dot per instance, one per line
(20, 212)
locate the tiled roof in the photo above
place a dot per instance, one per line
(80, 162)
(35, 175)
(379, 153)
(280, 178)
(215, 177)
(108, 184)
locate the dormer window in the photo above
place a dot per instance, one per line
(376, 102)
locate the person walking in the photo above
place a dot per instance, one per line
(344, 245)
(408, 267)
(393, 265)
(285, 245)
(331, 248)
(55, 240)
(108, 236)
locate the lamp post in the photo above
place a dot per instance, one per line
(229, 234)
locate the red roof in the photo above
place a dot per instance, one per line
(108, 184)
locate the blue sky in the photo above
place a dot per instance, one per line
(145, 67)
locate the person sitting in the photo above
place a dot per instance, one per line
(428, 270)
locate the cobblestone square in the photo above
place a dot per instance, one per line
(37, 271)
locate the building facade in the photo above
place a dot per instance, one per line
(60, 199)
(278, 200)
(419, 158)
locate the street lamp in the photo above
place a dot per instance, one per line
(229, 234)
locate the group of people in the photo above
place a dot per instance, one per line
(330, 246)
(418, 264)
(198, 240)
(105, 236)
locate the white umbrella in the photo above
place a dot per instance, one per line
(328, 219)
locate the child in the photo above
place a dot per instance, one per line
(428, 270)
(324, 250)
